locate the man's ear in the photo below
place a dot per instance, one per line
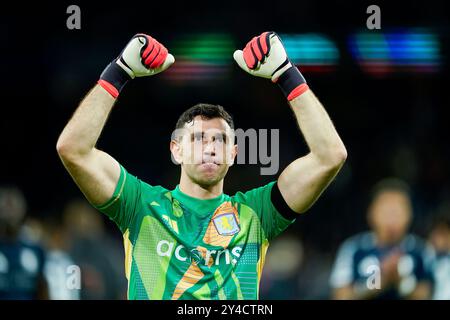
(234, 152)
(176, 150)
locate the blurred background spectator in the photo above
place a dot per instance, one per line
(21, 261)
(99, 256)
(59, 264)
(440, 266)
(283, 262)
(388, 262)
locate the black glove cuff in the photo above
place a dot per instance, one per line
(115, 75)
(289, 80)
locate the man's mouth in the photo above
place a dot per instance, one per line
(209, 161)
(209, 164)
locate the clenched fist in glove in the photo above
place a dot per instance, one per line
(143, 56)
(265, 56)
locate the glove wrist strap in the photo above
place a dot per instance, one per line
(113, 79)
(292, 83)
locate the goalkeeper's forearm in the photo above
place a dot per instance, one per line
(318, 130)
(80, 135)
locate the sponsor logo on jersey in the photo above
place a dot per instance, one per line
(204, 256)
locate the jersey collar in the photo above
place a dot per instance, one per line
(202, 207)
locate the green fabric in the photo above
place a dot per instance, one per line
(188, 248)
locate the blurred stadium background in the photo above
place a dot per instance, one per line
(386, 91)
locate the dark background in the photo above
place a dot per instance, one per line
(392, 125)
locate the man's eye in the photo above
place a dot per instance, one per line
(197, 137)
(220, 138)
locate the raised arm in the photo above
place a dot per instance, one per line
(95, 172)
(302, 182)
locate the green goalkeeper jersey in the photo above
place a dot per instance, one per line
(180, 247)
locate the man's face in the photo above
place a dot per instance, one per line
(12, 208)
(205, 149)
(389, 215)
(440, 238)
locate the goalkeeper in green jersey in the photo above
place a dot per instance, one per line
(195, 242)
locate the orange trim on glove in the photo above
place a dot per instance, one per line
(109, 87)
(298, 91)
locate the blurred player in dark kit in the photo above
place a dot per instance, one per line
(21, 262)
(397, 262)
(440, 266)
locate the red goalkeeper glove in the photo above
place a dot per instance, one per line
(265, 56)
(142, 56)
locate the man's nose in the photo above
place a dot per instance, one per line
(209, 148)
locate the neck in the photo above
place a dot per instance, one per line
(195, 190)
(383, 241)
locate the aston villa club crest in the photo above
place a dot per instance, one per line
(226, 224)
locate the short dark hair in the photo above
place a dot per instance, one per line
(206, 111)
(391, 184)
(441, 220)
(441, 216)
